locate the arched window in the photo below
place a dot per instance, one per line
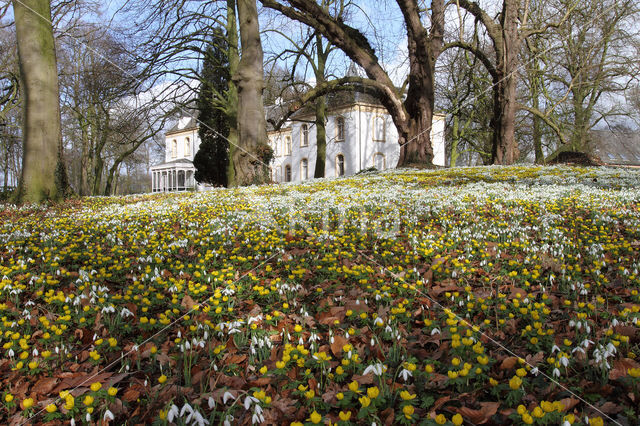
(304, 169)
(287, 173)
(340, 129)
(174, 148)
(379, 162)
(304, 135)
(187, 147)
(287, 145)
(378, 128)
(339, 165)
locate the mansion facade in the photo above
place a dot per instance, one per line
(360, 134)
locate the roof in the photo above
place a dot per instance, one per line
(178, 162)
(614, 147)
(183, 124)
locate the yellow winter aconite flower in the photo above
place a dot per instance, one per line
(88, 400)
(441, 419)
(162, 379)
(112, 391)
(315, 417)
(345, 415)
(457, 420)
(27, 403)
(634, 372)
(373, 392)
(408, 410)
(96, 386)
(406, 396)
(8, 397)
(364, 401)
(515, 382)
(51, 408)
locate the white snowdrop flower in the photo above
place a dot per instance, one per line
(173, 412)
(578, 349)
(248, 401)
(586, 343)
(535, 371)
(108, 415)
(199, 419)
(186, 408)
(88, 418)
(435, 331)
(555, 348)
(35, 352)
(11, 353)
(373, 342)
(405, 374)
(614, 322)
(212, 403)
(556, 372)
(377, 369)
(227, 395)
(228, 420)
(564, 361)
(72, 422)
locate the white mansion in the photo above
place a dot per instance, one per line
(360, 135)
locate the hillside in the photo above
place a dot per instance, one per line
(476, 295)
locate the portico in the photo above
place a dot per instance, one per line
(173, 176)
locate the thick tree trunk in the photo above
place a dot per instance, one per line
(249, 157)
(43, 174)
(232, 94)
(321, 109)
(455, 139)
(505, 148)
(413, 117)
(321, 137)
(415, 141)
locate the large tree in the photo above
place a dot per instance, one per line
(507, 31)
(411, 110)
(311, 50)
(43, 174)
(212, 159)
(253, 153)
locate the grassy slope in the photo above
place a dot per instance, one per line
(431, 283)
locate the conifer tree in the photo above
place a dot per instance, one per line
(212, 159)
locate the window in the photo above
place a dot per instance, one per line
(287, 145)
(187, 147)
(304, 135)
(378, 128)
(174, 148)
(304, 169)
(287, 173)
(339, 165)
(379, 162)
(340, 129)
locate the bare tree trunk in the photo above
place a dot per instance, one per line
(411, 116)
(252, 151)
(321, 137)
(43, 174)
(232, 94)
